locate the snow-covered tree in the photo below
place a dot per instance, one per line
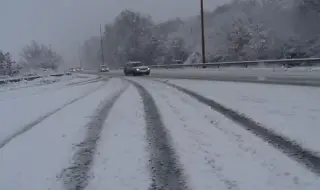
(176, 51)
(134, 36)
(6, 63)
(237, 30)
(38, 56)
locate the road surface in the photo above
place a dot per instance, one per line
(93, 133)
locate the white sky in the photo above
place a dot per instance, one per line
(66, 23)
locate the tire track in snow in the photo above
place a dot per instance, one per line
(76, 177)
(303, 156)
(217, 169)
(43, 117)
(166, 171)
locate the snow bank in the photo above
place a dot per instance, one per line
(35, 82)
(46, 80)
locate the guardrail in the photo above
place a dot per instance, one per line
(307, 62)
(30, 78)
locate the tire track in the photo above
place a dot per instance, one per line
(166, 171)
(303, 156)
(76, 177)
(43, 117)
(216, 168)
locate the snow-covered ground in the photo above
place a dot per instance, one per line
(35, 159)
(46, 80)
(292, 111)
(46, 84)
(218, 154)
(19, 108)
(47, 129)
(121, 160)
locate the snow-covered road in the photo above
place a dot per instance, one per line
(293, 111)
(92, 133)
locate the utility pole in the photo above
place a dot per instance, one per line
(102, 54)
(79, 54)
(203, 45)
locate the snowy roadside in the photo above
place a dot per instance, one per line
(44, 80)
(35, 82)
(24, 88)
(218, 154)
(15, 114)
(292, 111)
(35, 159)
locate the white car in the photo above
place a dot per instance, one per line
(104, 68)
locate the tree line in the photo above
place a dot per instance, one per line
(262, 29)
(239, 30)
(34, 57)
(134, 37)
(6, 63)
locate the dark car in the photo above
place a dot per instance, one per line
(104, 68)
(136, 68)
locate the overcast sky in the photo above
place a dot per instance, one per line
(66, 23)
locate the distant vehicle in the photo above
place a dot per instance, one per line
(104, 68)
(136, 68)
(78, 69)
(72, 70)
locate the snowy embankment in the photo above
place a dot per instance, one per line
(292, 111)
(24, 88)
(35, 82)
